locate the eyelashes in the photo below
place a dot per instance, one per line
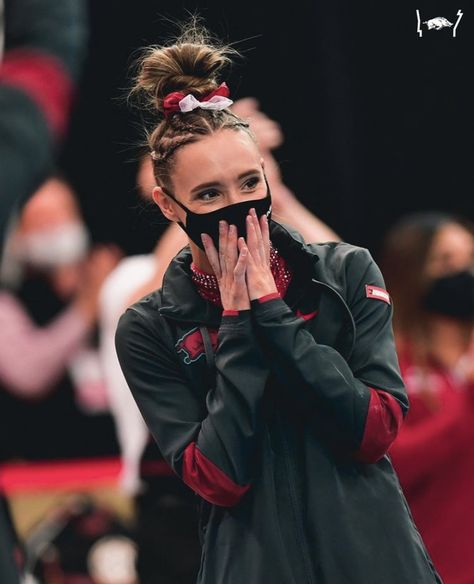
(211, 194)
(255, 180)
(207, 195)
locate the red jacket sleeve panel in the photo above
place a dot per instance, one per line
(230, 312)
(209, 481)
(268, 297)
(46, 82)
(384, 419)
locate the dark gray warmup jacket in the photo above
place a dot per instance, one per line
(279, 418)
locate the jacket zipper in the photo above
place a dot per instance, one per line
(300, 536)
(274, 501)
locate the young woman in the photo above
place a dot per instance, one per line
(265, 368)
(434, 328)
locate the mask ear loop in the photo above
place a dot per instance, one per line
(185, 209)
(171, 196)
(268, 194)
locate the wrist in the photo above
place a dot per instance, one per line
(262, 292)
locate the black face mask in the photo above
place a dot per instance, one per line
(452, 295)
(236, 214)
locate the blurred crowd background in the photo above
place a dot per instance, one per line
(366, 130)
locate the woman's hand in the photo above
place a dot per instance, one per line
(260, 280)
(229, 266)
(101, 262)
(267, 132)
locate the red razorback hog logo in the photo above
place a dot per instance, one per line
(192, 345)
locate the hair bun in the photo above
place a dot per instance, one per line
(191, 65)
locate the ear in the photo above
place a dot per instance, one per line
(165, 203)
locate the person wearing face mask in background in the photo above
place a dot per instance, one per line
(39, 69)
(428, 262)
(49, 371)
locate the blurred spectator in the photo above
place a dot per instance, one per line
(44, 48)
(428, 264)
(49, 371)
(41, 48)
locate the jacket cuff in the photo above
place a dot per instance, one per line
(230, 313)
(268, 297)
(235, 318)
(270, 308)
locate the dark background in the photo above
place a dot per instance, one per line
(377, 120)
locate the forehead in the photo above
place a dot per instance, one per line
(53, 204)
(453, 238)
(219, 157)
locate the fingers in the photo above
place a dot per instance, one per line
(254, 238)
(265, 236)
(212, 254)
(258, 231)
(235, 255)
(241, 265)
(225, 258)
(245, 107)
(223, 234)
(267, 132)
(230, 266)
(232, 251)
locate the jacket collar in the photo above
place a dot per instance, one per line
(180, 299)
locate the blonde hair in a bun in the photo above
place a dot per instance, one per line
(191, 64)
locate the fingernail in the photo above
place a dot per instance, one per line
(221, 225)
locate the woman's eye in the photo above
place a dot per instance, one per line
(251, 183)
(208, 195)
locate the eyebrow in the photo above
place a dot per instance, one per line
(217, 183)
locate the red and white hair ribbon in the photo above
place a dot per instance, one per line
(179, 102)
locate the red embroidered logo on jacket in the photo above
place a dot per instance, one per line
(192, 345)
(377, 293)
